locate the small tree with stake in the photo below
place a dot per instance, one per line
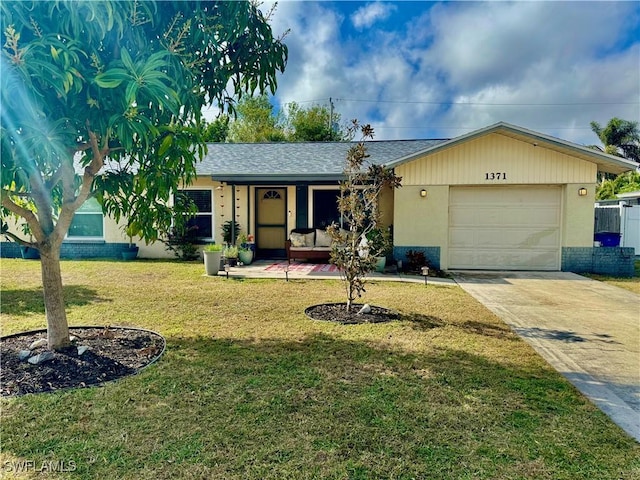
(359, 207)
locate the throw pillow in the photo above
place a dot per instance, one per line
(309, 239)
(297, 239)
(322, 238)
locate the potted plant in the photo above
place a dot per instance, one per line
(230, 231)
(130, 252)
(245, 252)
(212, 254)
(379, 245)
(230, 254)
(245, 255)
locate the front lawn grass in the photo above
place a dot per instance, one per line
(249, 388)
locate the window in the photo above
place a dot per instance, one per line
(88, 221)
(272, 195)
(325, 208)
(203, 220)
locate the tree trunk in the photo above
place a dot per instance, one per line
(57, 327)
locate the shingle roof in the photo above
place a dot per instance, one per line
(304, 161)
(324, 161)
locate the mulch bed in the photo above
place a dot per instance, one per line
(114, 352)
(337, 312)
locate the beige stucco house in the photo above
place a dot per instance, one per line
(502, 197)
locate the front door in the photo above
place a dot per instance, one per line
(271, 225)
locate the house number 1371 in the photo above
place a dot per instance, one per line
(495, 176)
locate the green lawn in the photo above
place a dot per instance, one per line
(249, 388)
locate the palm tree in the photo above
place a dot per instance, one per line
(620, 138)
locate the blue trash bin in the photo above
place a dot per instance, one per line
(607, 239)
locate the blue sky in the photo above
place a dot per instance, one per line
(441, 69)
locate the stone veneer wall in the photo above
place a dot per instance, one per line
(432, 254)
(72, 250)
(616, 261)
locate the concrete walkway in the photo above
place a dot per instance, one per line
(266, 269)
(587, 330)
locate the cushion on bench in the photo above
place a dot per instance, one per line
(302, 239)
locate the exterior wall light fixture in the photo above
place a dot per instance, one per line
(582, 191)
(423, 193)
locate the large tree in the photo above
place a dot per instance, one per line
(103, 99)
(256, 122)
(620, 138)
(314, 124)
(626, 182)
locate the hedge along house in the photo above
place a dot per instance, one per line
(500, 198)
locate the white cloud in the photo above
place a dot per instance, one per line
(406, 79)
(369, 14)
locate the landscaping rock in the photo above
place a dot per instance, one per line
(41, 357)
(24, 354)
(38, 343)
(366, 308)
(82, 349)
(106, 359)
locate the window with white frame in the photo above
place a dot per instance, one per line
(203, 219)
(88, 221)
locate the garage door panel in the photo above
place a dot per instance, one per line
(487, 260)
(515, 239)
(505, 215)
(504, 228)
(518, 237)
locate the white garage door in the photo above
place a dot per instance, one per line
(509, 228)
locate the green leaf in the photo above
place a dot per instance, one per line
(112, 78)
(165, 145)
(127, 61)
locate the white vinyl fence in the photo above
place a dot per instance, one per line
(622, 219)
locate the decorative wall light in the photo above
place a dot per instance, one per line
(582, 191)
(423, 193)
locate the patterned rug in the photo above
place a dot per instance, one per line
(303, 267)
(325, 268)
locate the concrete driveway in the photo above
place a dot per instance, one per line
(587, 330)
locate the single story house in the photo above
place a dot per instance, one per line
(501, 198)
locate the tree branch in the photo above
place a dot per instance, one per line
(19, 240)
(25, 213)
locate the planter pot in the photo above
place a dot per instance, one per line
(232, 262)
(381, 262)
(130, 253)
(29, 253)
(246, 257)
(212, 262)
